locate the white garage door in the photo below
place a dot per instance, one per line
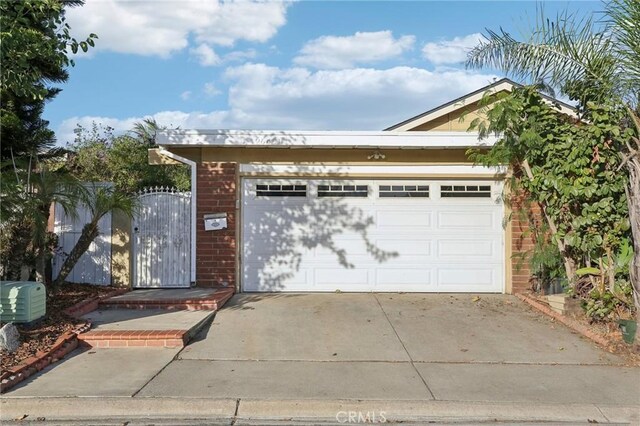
(372, 235)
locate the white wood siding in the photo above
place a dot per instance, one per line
(94, 267)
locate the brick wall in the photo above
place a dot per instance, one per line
(523, 219)
(216, 250)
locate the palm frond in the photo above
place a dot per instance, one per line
(567, 49)
(102, 200)
(146, 130)
(623, 20)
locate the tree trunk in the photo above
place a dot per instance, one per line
(42, 251)
(15, 252)
(569, 264)
(633, 198)
(41, 263)
(634, 217)
(89, 233)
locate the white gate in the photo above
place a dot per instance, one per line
(162, 239)
(94, 266)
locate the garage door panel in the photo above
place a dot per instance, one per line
(419, 244)
(338, 276)
(420, 277)
(468, 219)
(470, 248)
(405, 246)
(267, 248)
(463, 275)
(351, 244)
(271, 277)
(403, 219)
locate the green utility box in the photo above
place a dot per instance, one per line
(22, 301)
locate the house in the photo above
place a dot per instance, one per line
(400, 210)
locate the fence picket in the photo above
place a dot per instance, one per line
(94, 266)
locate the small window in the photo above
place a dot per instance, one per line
(417, 191)
(277, 190)
(465, 191)
(343, 191)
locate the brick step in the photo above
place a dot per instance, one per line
(135, 338)
(198, 305)
(211, 302)
(117, 328)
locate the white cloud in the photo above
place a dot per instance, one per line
(211, 90)
(451, 51)
(240, 55)
(333, 52)
(159, 28)
(244, 20)
(264, 97)
(205, 55)
(65, 132)
(360, 98)
(173, 119)
(186, 95)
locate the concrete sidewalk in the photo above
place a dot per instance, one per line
(316, 357)
(230, 411)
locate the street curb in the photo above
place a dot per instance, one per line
(314, 411)
(572, 324)
(372, 411)
(107, 408)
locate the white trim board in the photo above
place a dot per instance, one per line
(376, 170)
(321, 139)
(194, 198)
(470, 99)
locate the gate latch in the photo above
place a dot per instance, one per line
(215, 221)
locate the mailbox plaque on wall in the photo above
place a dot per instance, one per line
(215, 221)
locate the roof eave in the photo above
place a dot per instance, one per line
(325, 140)
(502, 84)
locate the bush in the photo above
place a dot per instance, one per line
(99, 156)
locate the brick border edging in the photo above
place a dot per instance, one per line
(205, 305)
(66, 343)
(14, 375)
(572, 324)
(213, 302)
(89, 305)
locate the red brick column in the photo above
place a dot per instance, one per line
(523, 220)
(216, 250)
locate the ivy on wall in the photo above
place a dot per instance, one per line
(570, 167)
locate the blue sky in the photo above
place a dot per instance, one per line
(307, 65)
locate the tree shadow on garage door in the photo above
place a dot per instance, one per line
(284, 233)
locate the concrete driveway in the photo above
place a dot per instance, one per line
(411, 357)
(393, 346)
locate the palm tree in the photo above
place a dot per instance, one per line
(27, 192)
(146, 130)
(100, 201)
(590, 61)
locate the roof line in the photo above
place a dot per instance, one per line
(475, 92)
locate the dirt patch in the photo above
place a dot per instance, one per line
(42, 335)
(607, 330)
(631, 352)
